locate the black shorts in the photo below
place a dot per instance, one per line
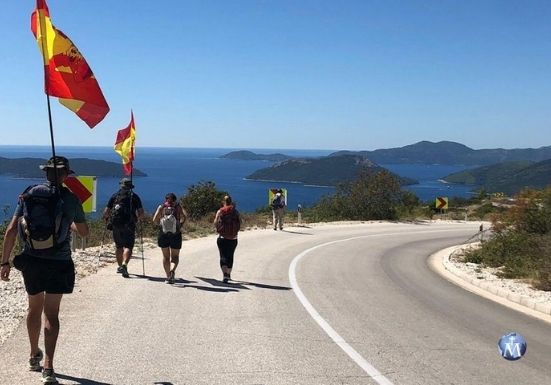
(124, 237)
(48, 275)
(172, 240)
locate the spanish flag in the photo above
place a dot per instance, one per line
(66, 72)
(124, 145)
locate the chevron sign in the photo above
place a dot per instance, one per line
(84, 187)
(442, 203)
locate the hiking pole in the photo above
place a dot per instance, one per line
(141, 246)
(101, 246)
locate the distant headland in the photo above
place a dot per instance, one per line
(499, 170)
(29, 167)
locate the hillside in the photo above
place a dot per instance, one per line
(507, 177)
(325, 171)
(449, 153)
(29, 167)
(249, 155)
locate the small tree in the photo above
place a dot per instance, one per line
(202, 199)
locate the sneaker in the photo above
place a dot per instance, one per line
(48, 377)
(171, 278)
(34, 361)
(124, 271)
(120, 269)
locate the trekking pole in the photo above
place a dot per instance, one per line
(101, 246)
(141, 246)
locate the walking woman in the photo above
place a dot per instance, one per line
(170, 216)
(227, 222)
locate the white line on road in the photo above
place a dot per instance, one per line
(352, 353)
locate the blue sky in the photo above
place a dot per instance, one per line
(291, 74)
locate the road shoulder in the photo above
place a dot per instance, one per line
(504, 295)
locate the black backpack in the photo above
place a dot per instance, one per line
(277, 202)
(121, 212)
(40, 225)
(229, 223)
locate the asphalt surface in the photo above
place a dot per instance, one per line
(370, 283)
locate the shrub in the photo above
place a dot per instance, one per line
(202, 199)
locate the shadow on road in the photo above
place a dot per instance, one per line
(295, 232)
(241, 284)
(80, 381)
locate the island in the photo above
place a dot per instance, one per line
(324, 171)
(29, 167)
(249, 155)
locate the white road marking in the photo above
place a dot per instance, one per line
(352, 353)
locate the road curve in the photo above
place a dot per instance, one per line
(373, 287)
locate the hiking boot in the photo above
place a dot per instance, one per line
(34, 361)
(120, 269)
(48, 377)
(171, 278)
(124, 271)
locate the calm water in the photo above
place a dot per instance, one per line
(174, 169)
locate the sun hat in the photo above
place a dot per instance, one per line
(57, 162)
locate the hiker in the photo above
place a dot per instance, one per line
(227, 222)
(123, 211)
(44, 218)
(278, 209)
(170, 216)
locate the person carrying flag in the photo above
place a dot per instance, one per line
(45, 262)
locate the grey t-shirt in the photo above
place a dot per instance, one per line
(72, 212)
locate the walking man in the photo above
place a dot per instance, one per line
(123, 211)
(278, 209)
(44, 218)
(170, 216)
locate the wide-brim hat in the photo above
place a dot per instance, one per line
(57, 162)
(126, 182)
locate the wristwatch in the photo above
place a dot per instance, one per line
(5, 263)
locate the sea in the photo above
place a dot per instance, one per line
(175, 169)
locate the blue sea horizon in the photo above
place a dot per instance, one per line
(171, 169)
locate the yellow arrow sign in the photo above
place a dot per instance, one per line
(442, 203)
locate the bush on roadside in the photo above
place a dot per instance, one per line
(202, 199)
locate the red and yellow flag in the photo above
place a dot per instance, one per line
(66, 72)
(124, 145)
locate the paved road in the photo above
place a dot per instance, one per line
(370, 283)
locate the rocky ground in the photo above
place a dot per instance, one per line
(490, 275)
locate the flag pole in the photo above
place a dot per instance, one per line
(46, 84)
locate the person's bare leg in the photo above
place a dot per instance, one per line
(34, 320)
(126, 255)
(118, 254)
(174, 259)
(166, 260)
(51, 327)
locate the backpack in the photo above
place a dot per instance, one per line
(42, 217)
(229, 223)
(277, 202)
(121, 212)
(169, 221)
